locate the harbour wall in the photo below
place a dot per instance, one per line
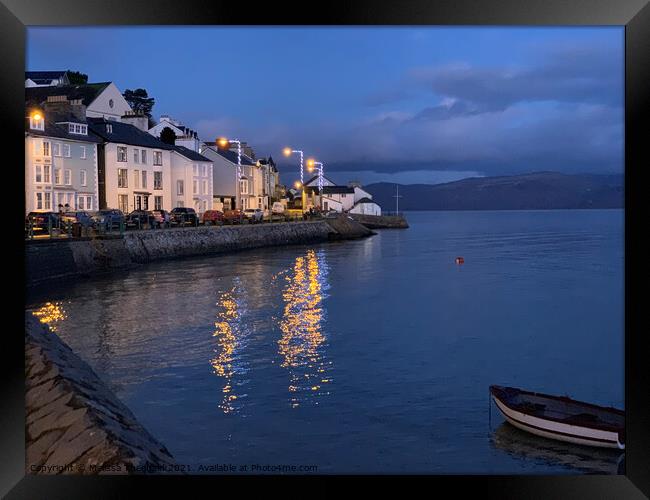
(74, 423)
(51, 260)
(381, 221)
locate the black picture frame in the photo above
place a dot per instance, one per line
(15, 15)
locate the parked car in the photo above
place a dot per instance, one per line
(277, 208)
(138, 219)
(184, 216)
(107, 219)
(161, 218)
(212, 218)
(254, 215)
(81, 216)
(41, 222)
(235, 216)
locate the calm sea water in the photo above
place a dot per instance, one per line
(370, 356)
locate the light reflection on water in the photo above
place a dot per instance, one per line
(303, 338)
(364, 356)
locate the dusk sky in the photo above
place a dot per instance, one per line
(409, 105)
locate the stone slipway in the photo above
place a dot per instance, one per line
(52, 260)
(74, 423)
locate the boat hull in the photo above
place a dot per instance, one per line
(559, 431)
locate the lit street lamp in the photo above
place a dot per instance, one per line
(310, 166)
(287, 152)
(225, 143)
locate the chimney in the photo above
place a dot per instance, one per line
(60, 105)
(137, 120)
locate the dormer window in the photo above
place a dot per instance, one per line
(109, 128)
(78, 128)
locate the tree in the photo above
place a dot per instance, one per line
(77, 78)
(168, 136)
(139, 101)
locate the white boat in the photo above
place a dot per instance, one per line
(561, 418)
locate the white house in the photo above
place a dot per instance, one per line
(60, 162)
(134, 168)
(191, 179)
(46, 78)
(102, 100)
(185, 136)
(339, 198)
(365, 206)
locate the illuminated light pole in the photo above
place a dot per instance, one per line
(310, 167)
(288, 152)
(225, 143)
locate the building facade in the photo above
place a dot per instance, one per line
(134, 168)
(185, 136)
(61, 160)
(191, 180)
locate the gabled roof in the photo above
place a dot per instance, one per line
(231, 156)
(36, 96)
(190, 154)
(125, 133)
(52, 129)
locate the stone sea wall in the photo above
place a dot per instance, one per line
(74, 423)
(381, 221)
(51, 260)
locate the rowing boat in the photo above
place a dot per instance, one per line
(561, 418)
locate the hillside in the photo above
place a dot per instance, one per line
(535, 191)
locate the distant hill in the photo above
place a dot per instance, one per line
(534, 191)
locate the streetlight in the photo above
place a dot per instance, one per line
(287, 152)
(310, 166)
(223, 142)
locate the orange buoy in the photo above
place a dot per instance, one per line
(460, 260)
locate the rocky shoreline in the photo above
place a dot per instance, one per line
(74, 423)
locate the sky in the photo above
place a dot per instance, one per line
(407, 104)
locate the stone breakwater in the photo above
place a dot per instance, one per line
(381, 221)
(59, 259)
(74, 423)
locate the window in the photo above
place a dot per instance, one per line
(195, 186)
(89, 202)
(157, 203)
(57, 176)
(144, 179)
(77, 128)
(136, 155)
(180, 203)
(145, 203)
(82, 177)
(47, 205)
(122, 178)
(243, 186)
(136, 179)
(179, 188)
(66, 150)
(195, 169)
(46, 148)
(121, 153)
(46, 174)
(157, 157)
(157, 180)
(204, 170)
(56, 149)
(37, 124)
(38, 173)
(144, 156)
(123, 202)
(80, 203)
(67, 176)
(83, 152)
(204, 187)
(39, 201)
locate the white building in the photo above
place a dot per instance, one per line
(60, 162)
(102, 100)
(365, 206)
(185, 136)
(46, 78)
(191, 179)
(134, 168)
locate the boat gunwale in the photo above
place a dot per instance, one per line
(495, 389)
